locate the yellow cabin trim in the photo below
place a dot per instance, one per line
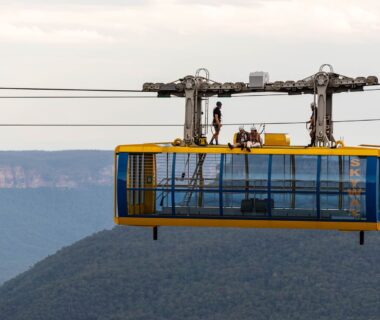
(344, 151)
(231, 223)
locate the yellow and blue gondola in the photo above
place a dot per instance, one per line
(271, 187)
(187, 183)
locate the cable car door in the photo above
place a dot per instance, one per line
(141, 183)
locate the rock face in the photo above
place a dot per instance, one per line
(64, 169)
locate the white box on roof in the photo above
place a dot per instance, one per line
(258, 79)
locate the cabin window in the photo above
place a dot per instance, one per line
(343, 187)
(196, 179)
(245, 181)
(163, 182)
(306, 183)
(248, 185)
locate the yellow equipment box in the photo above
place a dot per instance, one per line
(277, 139)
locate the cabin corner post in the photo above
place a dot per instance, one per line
(372, 198)
(222, 156)
(173, 182)
(269, 194)
(318, 187)
(121, 187)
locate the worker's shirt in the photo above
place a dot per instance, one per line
(218, 113)
(242, 137)
(255, 137)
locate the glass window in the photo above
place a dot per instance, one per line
(343, 187)
(235, 174)
(245, 184)
(354, 177)
(306, 182)
(164, 162)
(258, 171)
(163, 202)
(281, 172)
(282, 185)
(197, 184)
(306, 172)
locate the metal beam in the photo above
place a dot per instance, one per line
(322, 85)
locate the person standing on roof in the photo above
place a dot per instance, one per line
(312, 124)
(216, 122)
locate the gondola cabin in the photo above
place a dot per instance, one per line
(269, 187)
(190, 183)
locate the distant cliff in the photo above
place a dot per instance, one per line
(63, 169)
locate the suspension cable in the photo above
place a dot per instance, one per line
(68, 89)
(125, 97)
(140, 97)
(77, 97)
(162, 125)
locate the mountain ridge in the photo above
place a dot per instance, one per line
(56, 169)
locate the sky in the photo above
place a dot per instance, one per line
(122, 44)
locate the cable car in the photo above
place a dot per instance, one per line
(187, 183)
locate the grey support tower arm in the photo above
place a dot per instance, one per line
(321, 85)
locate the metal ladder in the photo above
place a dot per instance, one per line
(193, 183)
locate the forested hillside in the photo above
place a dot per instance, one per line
(202, 274)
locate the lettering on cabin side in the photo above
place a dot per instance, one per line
(354, 192)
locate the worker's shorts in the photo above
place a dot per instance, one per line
(253, 144)
(216, 127)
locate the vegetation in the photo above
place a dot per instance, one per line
(202, 274)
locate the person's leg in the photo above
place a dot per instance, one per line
(215, 134)
(217, 130)
(312, 138)
(235, 145)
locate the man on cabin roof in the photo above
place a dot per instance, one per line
(241, 140)
(312, 124)
(216, 122)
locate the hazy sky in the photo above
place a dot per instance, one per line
(122, 44)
